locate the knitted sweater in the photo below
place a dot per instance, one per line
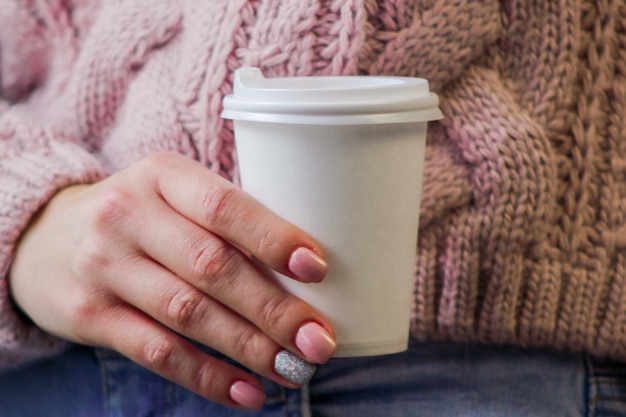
(523, 219)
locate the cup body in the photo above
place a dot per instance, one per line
(356, 189)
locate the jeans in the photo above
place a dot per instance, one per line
(443, 379)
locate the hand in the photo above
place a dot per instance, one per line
(164, 249)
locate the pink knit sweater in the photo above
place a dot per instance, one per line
(523, 219)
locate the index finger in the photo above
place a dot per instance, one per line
(221, 207)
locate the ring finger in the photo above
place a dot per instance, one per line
(193, 314)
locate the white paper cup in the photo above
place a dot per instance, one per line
(342, 158)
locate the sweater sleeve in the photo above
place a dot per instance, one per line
(36, 159)
(34, 164)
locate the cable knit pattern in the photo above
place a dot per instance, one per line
(523, 219)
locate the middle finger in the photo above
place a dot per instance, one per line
(218, 269)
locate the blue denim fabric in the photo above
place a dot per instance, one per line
(428, 380)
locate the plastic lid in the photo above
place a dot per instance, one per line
(330, 100)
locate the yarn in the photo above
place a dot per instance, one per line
(523, 218)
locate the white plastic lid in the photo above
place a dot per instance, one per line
(330, 100)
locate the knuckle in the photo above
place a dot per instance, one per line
(157, 354)
(112, 205)
(185, 308)
(207, 380)
(267, 243)
(213, 260)
(247, 343)
(151, 166)
(81, 307)
(218, 202)
(156, 160)
(275, 309)
(82, 311)
(90, 257)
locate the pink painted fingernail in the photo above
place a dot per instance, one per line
(247, 395)
(315, 342)
(307, 265)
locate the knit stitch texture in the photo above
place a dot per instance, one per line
(523, 219)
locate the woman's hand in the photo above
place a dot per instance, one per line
(163, 250)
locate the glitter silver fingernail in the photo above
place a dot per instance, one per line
(293, 367)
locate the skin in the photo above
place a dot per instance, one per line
(161, 248)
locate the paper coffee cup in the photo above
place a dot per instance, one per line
(342, 157)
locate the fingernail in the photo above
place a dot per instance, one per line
(293, 368)
(315, 342)
(307, 265)
(247, 395)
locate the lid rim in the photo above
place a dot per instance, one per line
(390, 105)
(416, 116)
